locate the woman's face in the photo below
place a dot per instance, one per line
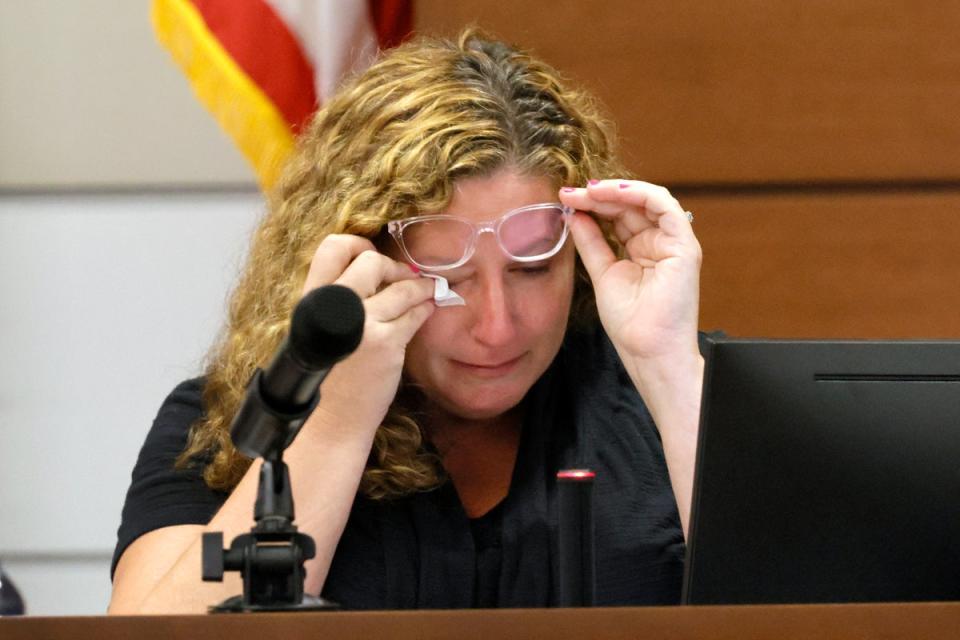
(479, 360)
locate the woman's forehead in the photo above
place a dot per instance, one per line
(491, 195)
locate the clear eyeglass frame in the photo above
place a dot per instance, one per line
(396, 227)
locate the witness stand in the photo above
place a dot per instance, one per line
(784, 622)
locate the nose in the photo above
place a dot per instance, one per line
(493, 313)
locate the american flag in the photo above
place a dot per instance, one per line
(262, 67)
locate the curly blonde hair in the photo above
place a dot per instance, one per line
(391, 144)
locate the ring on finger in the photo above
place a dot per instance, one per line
(689, 215)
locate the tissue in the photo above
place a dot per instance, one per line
(443, 295)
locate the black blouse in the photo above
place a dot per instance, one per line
(423, 552)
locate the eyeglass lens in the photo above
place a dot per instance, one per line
(437, 242)
(532, 233)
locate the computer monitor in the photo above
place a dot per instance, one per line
(827, 471)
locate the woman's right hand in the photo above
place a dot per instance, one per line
(358, 392)
(158, 572)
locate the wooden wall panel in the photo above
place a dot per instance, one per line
(743, 91)
(826, 131)
(830, 265)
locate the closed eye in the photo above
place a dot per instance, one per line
(457, 276)
(532, 269)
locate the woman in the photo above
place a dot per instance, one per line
(425, 475)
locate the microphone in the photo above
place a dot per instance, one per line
(326, 327)
(575, 538)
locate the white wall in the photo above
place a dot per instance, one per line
(88, 97)
(106, 302)
(112, 279)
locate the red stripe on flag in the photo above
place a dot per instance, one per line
(265, 49)
(392, 20)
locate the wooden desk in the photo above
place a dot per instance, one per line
(891, 621)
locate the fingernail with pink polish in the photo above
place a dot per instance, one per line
(593, 181)
(413, 268)
(568, 189)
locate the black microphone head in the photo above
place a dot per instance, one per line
(327, 326)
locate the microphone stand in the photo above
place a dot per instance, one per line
(327, 326)
(271, 557)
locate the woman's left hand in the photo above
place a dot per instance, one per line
(648, 301)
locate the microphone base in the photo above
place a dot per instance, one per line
(309, 603)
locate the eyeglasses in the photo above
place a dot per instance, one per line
(441, 242)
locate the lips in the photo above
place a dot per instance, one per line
(489, 369)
